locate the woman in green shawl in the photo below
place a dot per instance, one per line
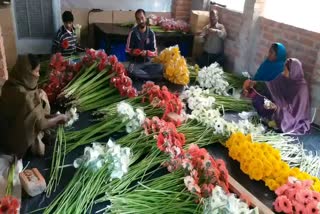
(24, 110)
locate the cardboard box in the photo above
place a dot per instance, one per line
(120, 17)
(100, 17)
(198, 20)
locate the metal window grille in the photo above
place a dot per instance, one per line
(34, 18)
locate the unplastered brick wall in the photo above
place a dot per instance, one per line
(232, 21)
(3, 64)
(300, 43)
(181, 9)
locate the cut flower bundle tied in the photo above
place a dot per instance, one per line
(98, 155)
(296, 196)
(133, 118)
(212, 77)
(175, 65)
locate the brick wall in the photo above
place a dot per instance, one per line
(181, 9)
(300, 43)
(3, 64)
(232, 21)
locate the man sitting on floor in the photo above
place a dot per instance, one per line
(65, 41)
(213, 35)
(141, 47)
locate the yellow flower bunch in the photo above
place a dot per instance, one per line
(175, 65)
(262, 162)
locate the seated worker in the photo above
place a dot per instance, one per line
(269, 69)
(288, 108)
(65, 41)
(273, 65)
(25, 110)
(213, 37)
(141, 47)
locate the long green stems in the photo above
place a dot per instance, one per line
(11, 177)
(58, 158)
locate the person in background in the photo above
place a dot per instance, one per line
(142, 47)
(213, 37)
(65, 41)
(288, 108)
(25, 110)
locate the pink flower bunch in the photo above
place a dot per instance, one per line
(297, 197)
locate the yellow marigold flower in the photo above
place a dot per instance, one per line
(272, 184)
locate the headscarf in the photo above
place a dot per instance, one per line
(21, 111)
(291, 95)
(269, 70)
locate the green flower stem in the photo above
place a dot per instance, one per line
(58, 158)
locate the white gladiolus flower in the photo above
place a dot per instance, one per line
(116, 158)
(133, 118)
(212, 78)
(220, 202)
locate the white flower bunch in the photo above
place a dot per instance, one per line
(98, 155)
(212, 78)
(72, 115)
(221, 203)
(133, 118)
(246, 127)
(212, 118)
(197, 98)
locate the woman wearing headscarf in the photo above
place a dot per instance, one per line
(289, 106)
(270, 69)
(24, 110)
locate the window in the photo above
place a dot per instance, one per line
(147, 5)
(34, 18)
(303, 14)
(236, 5)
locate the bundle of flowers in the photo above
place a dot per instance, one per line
(62, 72)
(59, 151)
(113, 155)
(9, 205)
(175, 65)
(222, 202)
(193, 72)
(262, 162)
(212, 77)
(168, 24)
(96, 85)
(297, 197)
(133, 118)
(198, 98)
(212, 118)
(99, 164)
(125, 117)
(162, 98)
(202, 172)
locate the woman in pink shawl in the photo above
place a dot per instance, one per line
(289, 102)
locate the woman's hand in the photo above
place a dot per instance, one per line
(270, 106)
(247, 85)
(61, 119)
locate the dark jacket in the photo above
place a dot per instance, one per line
(138, 42)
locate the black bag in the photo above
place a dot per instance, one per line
(146, 71)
